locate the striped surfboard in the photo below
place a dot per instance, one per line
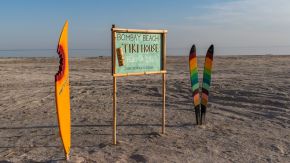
(194, 82)
(206, 81)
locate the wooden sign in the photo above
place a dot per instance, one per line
(137, 52)
(140, 51)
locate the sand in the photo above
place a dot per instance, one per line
(248, 118)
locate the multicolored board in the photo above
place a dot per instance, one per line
(200, 105)
(194, 82)
(206, 81)
(62, 91)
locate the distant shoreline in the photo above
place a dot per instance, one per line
(84, 53)
(171, 56)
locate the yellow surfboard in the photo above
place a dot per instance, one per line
(62, 94)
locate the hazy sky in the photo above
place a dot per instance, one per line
(36, 24)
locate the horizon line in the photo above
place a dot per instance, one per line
(220, 47)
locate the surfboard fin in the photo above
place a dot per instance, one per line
(197, 115)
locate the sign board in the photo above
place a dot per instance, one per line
(143, 51)
(137, 52)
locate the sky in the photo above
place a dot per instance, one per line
(233, 26)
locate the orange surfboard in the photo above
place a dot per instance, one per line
(62, 93)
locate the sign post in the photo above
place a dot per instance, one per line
(137, 52)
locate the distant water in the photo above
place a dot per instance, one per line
(52, 53)
(274, 50)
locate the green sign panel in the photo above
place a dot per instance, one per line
(142, 52)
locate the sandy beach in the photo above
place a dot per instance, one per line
(248, 117)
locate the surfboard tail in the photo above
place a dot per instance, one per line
(62, 91)
(194, 81)
(206, 81)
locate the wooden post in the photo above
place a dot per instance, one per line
(164, 80)
(112, 48)
(114, 124)
(163, 109)
(115, 111)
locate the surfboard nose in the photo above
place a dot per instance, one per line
(193, 49)
(211, 49)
